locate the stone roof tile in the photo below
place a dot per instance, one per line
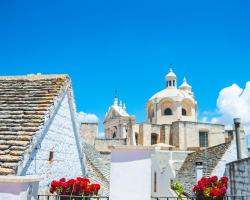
(24, 102)
(209, 157)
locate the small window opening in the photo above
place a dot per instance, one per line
(184, 112)
(155, 182)
(51, 156)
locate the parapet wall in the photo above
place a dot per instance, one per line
(238, 173)
(102, 145)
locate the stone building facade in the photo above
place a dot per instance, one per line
(171, 119)
(239, 177)
(38, 128)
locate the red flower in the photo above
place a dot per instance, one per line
(55, 184)
(214, 192)
(71, 182)
(62, 180)
(88, 189)
(214, 179)
(224, 179)
(76, 186)
(217, 188)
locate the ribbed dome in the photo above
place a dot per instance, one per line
(174, 94)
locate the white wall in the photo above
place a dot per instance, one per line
(18, 188)
(165, 164)
(229, 156)
(60, 138)
(130, 175)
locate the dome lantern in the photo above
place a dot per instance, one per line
(171, 79)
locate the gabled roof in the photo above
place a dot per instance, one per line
(209, 157)
(24, 105)
(116, 110)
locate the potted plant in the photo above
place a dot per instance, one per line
(211, 188)
(74, 187)
(179, 190)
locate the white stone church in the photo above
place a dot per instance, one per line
(171, 121)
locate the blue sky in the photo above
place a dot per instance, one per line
(128, 46)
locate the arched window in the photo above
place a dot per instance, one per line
(184, 112)
(167, 111)
(114, 135)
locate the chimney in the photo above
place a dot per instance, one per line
(237, 124)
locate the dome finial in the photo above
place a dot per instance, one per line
(184, 79)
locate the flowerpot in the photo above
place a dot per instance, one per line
(208, 198)
(74, 198)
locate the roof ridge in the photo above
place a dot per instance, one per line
(34, 77)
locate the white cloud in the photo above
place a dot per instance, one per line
(87, 117)
(233, 102)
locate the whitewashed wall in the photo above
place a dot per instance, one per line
(130, 175)
(60, 138)
(165, 164)
(18, 188)
(229, 156)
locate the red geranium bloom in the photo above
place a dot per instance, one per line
(62, 180)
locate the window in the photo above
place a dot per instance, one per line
(136, 138)
(173, 82)
(167, 111)
(155, 182)
(203, 137)
(153, 138)
(184, 112)
(51, 156)
(170, 83)
(114, 135)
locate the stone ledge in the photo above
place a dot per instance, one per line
(19, 179)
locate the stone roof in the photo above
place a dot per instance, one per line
(97, 169)
(209, 157)
(24, 105)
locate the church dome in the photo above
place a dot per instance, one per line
(174, 94)
(173, 103)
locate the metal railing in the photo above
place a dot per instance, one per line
(229, 197)
(67, 197)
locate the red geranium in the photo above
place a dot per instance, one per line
(79, 186)
(211, 187)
